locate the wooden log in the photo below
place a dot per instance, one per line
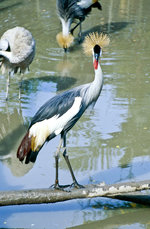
(39, 196)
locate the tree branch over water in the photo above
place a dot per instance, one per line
(124, 191)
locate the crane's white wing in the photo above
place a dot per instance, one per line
(85, 3)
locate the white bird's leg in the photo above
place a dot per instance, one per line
(20, 86)
(7, 85)
(75, 183)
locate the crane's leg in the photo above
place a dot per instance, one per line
(7, 85)
(57, 185)
(75, 183)
(57, 163)
(80, 32)
(72, 30)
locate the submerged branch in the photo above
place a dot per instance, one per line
(121, 191)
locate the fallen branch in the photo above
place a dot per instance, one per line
(39, 196)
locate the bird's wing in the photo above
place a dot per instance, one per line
(56, 106)
(4, 45)
(69, 9)
(21, 45)
(85, 3)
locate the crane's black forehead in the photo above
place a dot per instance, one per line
(97, 49)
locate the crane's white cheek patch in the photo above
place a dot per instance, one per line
(41, 130)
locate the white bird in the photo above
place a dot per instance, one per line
(17, 50)
(70, 11)
(59, 114)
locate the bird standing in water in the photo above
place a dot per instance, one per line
(59, 114)
(68, 12)
(17, 50)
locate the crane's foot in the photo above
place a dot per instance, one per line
(67, 187)
(76, 185)
(59, 187)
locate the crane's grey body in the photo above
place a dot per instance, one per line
(61, 103)
(70, 10)
(17, 50)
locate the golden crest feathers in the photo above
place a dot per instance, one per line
(64, 41)
(95, 39)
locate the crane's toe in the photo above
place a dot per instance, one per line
(76, 185)
(59, 187)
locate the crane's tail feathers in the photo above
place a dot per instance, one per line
(95, 39)
(31, 157)
(96, 4)
(25, 150)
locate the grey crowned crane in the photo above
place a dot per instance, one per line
(17, 50)
(59, 114)
(70, 11)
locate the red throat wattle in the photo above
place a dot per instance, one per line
(95, 64)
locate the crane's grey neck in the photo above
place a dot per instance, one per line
(98, 73)
(94, 88)
(65, 26)
(98, 80)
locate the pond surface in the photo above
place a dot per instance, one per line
(109, 143)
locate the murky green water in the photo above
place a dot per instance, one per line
(109, 143)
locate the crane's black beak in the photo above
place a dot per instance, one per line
(65, 50)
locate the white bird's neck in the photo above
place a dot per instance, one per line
(4, 44)
(10, 57)
(5, 54)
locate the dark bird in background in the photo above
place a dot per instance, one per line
(59, 114)
(70, 11)
(17, 50)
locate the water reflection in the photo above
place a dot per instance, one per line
(129, 219)
(36, 84)
(5, 8)
(45, 81)
(11, 131)
(109, 28)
